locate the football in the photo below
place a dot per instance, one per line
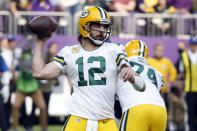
(42, 26)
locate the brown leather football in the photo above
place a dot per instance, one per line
(42, 26)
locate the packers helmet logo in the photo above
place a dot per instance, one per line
(85, 14)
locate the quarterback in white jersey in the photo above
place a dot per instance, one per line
(94, 77)
(143, 111)
(93, 66)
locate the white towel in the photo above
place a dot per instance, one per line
(91, 125)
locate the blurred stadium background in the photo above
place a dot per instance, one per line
(154, 21)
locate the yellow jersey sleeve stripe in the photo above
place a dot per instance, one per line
(121, 59)
(59, 59)
(119, 55)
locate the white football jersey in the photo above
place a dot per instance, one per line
(130, 97)
(94, 76)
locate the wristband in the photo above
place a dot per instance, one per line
(139, 83)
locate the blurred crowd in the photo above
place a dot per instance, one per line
(17, 83)
(125, 6)
(163, 26)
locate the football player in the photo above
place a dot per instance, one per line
(94, 66)
(142, 111)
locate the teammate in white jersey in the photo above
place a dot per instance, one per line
(93, 66)
(142, 111)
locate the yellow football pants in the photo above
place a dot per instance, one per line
(144, 117)
(74, 123)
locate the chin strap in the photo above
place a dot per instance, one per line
(97, 42)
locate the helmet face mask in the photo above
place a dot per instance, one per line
(97, 35)
(95, 24)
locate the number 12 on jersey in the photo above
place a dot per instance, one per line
(91, 71)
